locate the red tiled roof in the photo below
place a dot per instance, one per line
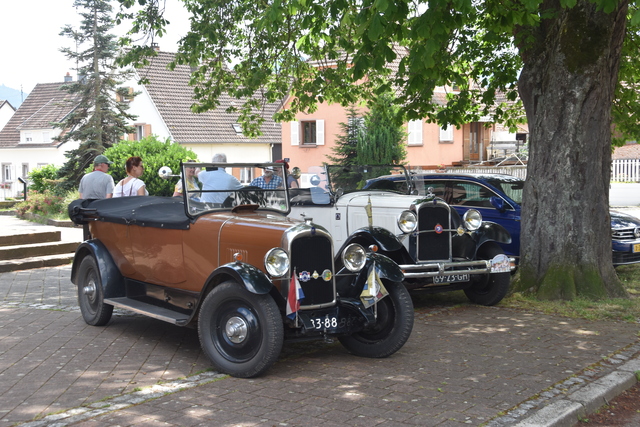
(47, 103)
(173, 97)
(628, 151)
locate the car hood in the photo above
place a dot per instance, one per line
(622, 220)
(381, 199)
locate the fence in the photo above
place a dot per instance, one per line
(626, 170)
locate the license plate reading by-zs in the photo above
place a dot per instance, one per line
(636, 247)
(327, 322)
(451, 278)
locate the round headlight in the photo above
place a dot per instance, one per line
(276, 261)
(354, 257)
(407, 222)
(472, 219)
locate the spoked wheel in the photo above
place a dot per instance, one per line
(392, 328)
(240, 332)
(490, 288)
(91, 295)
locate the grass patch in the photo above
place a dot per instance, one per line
(618, 309)
(615, 309)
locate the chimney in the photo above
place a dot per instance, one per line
(68, 78)
(155, 46)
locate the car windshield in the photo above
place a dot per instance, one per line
(224, 186)
(509, 185)
(381, 177)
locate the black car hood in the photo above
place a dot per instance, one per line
(622, 220)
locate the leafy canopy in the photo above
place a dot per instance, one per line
(316, 51)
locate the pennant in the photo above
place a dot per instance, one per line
(294, 296)
(373, 291)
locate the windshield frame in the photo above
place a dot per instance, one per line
(363, 175)
(245, 197)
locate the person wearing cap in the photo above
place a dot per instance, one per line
(97, 184)
(269, 180)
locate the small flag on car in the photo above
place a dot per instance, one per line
(294, 296)
(373, 290)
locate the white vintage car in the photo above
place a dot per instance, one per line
(436, 248)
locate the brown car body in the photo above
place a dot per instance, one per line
(237, 271)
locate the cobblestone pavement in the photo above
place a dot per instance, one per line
(464, 365)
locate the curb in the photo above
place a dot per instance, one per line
(587, 400)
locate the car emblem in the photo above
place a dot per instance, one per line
(438, 229)
(315, 274)
(304, 276)
(326, 275)
(636, 232)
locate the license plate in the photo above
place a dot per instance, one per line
(327, 322)
(636, 247)
(451, 278)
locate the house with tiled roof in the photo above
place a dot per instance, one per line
(27, 139)
(163, 107)
(629, 151)
(308, 140)
(6, 111)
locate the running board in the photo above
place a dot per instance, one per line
(150, 310)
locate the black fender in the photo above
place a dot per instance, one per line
(388, 243)
(110, 276)
(253, 279)
(491, 232)
(351, 285)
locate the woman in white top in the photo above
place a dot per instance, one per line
(132, 185)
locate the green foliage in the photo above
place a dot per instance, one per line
(376, 138)
(99, 120)
(46, 203)
(45, 179)
(155, 153)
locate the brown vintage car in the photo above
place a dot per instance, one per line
(231, 263)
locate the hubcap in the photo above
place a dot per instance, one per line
(236, 329)
(90, 289)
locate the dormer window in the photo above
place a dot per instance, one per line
(237, 128)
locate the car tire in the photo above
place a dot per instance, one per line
(240, 332)
(91, 294)
(392, 328)
(489, 289)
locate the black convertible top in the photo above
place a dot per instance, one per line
(145, 211)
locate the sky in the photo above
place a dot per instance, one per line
(30, 40)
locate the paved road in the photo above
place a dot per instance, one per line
(462, 365)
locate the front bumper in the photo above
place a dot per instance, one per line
(499, 264)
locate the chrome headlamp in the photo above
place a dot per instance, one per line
(354, 257)
(276, 261)
(407, 222)
(472, 219)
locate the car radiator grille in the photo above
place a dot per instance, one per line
(431, 245)
(624, 234)
(312, 256)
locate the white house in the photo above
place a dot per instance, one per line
(6, 111)
(27, 139)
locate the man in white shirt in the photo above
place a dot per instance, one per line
(97, 184)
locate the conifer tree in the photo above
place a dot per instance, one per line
(100, 117)
(382, 141)
(345, 148)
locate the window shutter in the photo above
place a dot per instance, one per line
(446, 134)
(319, 132)
(147, 130)
(415, 132)
(295, 133)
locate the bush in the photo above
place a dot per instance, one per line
(45, 179)
(46, 203)
(155, 154)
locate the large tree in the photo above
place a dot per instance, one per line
(100, 117)
(561, 56)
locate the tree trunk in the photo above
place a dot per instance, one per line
(567, 86)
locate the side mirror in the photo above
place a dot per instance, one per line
(497, 203)
(165, 172)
